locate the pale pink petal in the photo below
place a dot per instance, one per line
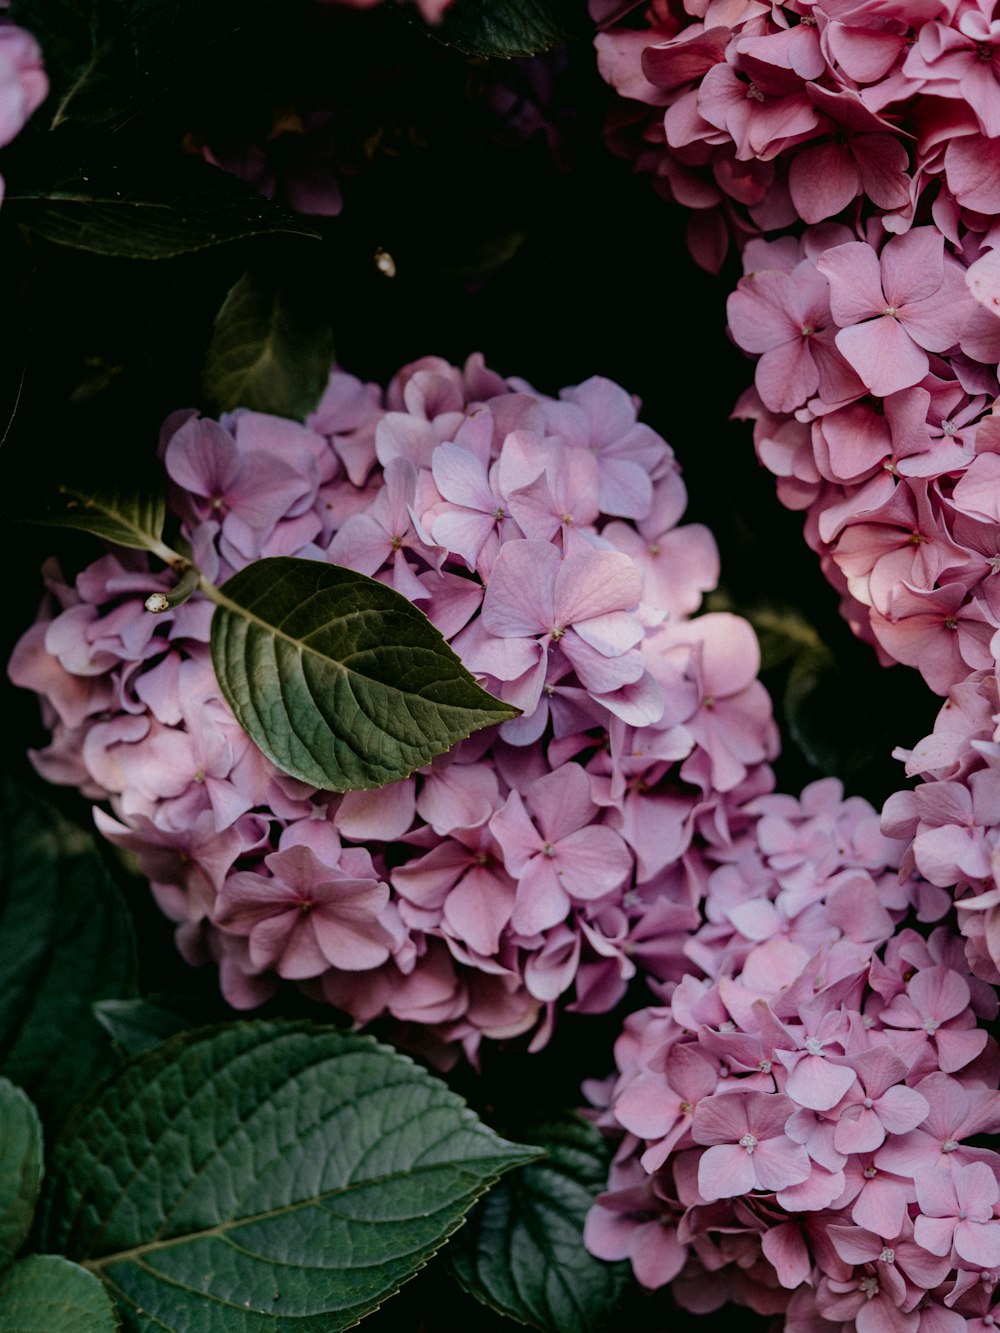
(817, 1084)
(779, 1163)
(726, 1171)
(855, 282)
(912, 266)
(520, 596)
(592, 862)
(883, 354)
(978, 1243)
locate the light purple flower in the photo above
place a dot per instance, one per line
(307, 916)
(749, 1148)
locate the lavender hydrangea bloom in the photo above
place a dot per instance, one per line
(534, 867)
(795, 1112)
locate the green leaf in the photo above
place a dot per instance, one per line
(512, 27)
(521, 1251)
(267, 352)
(20, 1168)
(47, 1294)
(271, 1169)
(340, 680)
(153, 207)
(816, 698)
(65, 941)
(123, 517)
(139, 1025)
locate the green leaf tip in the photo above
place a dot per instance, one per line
(521, 1252)
(124, 517)
(268, 352)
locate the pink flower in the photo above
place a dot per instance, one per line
(599, 416)
(579, 606)
(531, 869)
(556, 852)
(307, 917)
(786, 318)
(749, 1149)
(894, 308)
(934, 1011)
(962, 59)
(881, 1105)
(957, 1209)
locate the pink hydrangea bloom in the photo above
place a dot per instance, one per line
(535, 866)
(795, 1115)
(870, 130)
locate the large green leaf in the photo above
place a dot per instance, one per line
(126, 518)
(20, 1168)
(271, 1171)
(267, 352)
(521, 1251)
(512, 27)
(154, 208)
(340, 680)
(47, 1294)
(65, 941)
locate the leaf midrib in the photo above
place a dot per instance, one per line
(102, 505)
(235, 608)
(482, 1183)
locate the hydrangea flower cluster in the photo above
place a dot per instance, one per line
(24, 85)
(951, 821)
(873, 131)
(535, 864)
(795, 1115)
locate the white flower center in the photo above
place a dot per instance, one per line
(749, 1142)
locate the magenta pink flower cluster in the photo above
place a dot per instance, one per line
(24, 85)
(535, 864)
(794, 1116)
(952, 820)
(875, 325)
